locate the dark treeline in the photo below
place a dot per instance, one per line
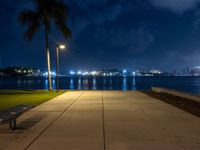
(19, 71)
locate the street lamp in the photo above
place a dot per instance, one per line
(58, 46)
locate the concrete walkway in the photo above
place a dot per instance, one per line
(103, 120)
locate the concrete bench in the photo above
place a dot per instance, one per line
(10, 115)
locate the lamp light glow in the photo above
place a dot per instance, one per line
(62, 46)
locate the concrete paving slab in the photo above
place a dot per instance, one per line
(125, 115)
(104, 120)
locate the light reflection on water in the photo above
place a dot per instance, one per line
(53, 83)
(124, 85)
(91, 83)
(71, 84)
(104, 83)
(188, 84)
(133, 84)
(46, 83)
(19, 82)
(110, 84)
(85, 84)
(79, 84)
(94, 86)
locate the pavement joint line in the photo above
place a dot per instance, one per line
(51, 123)
(103, 124)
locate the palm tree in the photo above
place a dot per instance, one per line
(45, 12)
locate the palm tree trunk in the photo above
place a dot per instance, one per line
(48, 59)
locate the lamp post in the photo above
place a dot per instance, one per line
(58, 46)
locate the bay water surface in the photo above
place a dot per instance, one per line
(189, 84)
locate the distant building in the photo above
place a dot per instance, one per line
(20, 71)
(188, 70)
(111, 72)
(152, 72)
(195, 71)
(155, 72)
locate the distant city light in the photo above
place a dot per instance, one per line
(193, 71)
(124, 71)
(155, 71)
(72, 72)
(93, 73)
(85, 73)
(79, 72)
(51, 73)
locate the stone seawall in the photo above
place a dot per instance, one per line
(176, 93)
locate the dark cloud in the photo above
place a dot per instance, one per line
(177, 6)
(84, 4)
(133, 41)
(100, 12)
(110, 34)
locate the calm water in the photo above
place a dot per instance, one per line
(189, 84)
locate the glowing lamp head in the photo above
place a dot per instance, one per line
(62, 46)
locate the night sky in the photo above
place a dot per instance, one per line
(131, 34)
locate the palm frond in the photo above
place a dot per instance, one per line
(45, 12)
(32, 29)
(60, 10)
(28, 17)
(63, 28)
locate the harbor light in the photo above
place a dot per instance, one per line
(79, 72)
(124, 71)
(72, 73)
(93, 73)
(51, 73)
(85, 73)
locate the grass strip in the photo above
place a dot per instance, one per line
(11, 98)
